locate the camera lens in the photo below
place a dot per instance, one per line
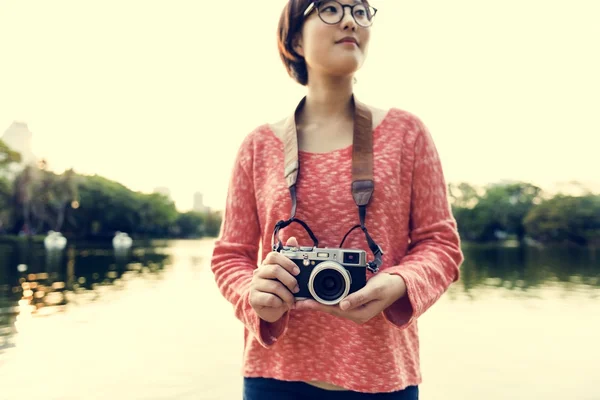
(329, 283)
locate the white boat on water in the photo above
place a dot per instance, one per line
(122, 241)
(55, 241)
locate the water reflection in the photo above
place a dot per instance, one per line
(35, 280)
(529, 270)
(156, 326)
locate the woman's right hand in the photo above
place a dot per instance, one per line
(273, 284)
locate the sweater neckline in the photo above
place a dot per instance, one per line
(340, 151)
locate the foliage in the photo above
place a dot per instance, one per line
(5, 203)
(522, 210)
(38, 200)
(193, 224)
(105, 206)
(566, 218)
(497, 210)
(7, 156)
(41, 198)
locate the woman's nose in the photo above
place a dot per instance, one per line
(348, 21)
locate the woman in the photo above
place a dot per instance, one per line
(366, 346)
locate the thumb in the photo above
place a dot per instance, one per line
(357, 299)
(292, 242)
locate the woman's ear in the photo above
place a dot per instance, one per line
(297, 45)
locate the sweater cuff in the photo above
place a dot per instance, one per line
(405, 310)
(267, 333)
(270, 332)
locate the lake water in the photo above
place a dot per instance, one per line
(151, 324)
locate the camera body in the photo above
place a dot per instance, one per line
(328, 275)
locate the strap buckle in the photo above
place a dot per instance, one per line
(374, 265)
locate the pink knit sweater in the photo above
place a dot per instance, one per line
(409, 217)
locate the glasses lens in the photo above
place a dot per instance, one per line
(331, 12)
(363, 15)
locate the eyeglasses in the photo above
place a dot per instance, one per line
(332, 12)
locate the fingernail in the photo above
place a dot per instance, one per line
(296, 289)
(345, 304)
(296, 270)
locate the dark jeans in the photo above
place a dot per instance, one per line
(272, 389)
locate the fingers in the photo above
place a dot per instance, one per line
(293, 242)
(364, 313)
(276, 288)
(287, 264)
(262, 299)
(359, 315)
(275, 271)
(315, 306)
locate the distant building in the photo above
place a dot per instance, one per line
(163, 190)
(19, 138)
(199, 203)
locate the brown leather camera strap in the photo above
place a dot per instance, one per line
(362, 172)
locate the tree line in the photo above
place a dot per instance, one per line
(524, 212)
(36, 200)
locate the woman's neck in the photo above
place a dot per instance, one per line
(328, 100)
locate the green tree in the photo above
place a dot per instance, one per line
(566, 219)
(507, 205)
(472, 221)
(212, 224)
(105, 207)
(191, 224)
(5, 204)
(494, 212)
(62, 192)
(24, 187)
(7, 156)
(157, 214)
(93, 206)
(463, 195)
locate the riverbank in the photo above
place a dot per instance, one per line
(95, 238)
(507, 243)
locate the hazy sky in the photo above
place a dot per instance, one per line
(162, 93)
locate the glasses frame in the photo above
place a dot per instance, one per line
(315, 6)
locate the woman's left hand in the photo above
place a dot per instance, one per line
(381, 291)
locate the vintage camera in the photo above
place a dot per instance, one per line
(327, 275)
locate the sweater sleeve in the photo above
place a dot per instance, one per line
(235, 255)
(434, 255)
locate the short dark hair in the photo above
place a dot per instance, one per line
(290, 24)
